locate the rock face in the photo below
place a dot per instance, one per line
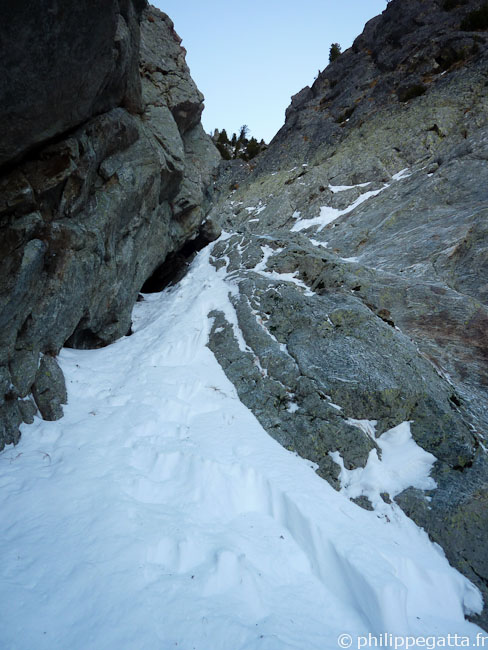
(402, 54)
(105, 168)
(359, 247)
(61, 63)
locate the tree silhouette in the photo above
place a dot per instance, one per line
(243, 132)
(223, 137)
(334, 52)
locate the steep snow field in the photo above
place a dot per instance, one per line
(159, 514)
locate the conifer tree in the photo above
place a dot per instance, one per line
(252, 148)
(223, 137)
(243, 133)
(334, 52)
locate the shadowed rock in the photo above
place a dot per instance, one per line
(87, 218)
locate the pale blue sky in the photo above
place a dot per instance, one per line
(249, 57)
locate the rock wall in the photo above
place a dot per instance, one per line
(61, 63)
(360, 250)
(105, 167)
(402, 54)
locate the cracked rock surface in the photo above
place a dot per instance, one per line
(358, 246)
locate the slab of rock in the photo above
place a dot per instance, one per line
(360, 252)
(86, 219)
(62, 63)
(49, 389)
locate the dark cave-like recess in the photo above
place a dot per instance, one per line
(175, 265)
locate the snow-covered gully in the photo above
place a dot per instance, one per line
(159, 514)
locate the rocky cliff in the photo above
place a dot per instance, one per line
(358, 243)
(104, 168)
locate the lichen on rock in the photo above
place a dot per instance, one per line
(361, 281)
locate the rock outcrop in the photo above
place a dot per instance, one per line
(62, 63)
(105, 167)
(359, 245)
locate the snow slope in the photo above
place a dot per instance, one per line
(159, 514)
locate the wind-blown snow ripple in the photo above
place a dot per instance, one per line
(158, 513)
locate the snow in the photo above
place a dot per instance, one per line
(403, 173)
(158, 513)
(335, 406)
(289, 277)
(328, 214)
(281, 277)
(267, 253)
(343, 188)
(403, 464)
(316, 242)
(367, 426)
(256, 209)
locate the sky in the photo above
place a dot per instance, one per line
(248, 58)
